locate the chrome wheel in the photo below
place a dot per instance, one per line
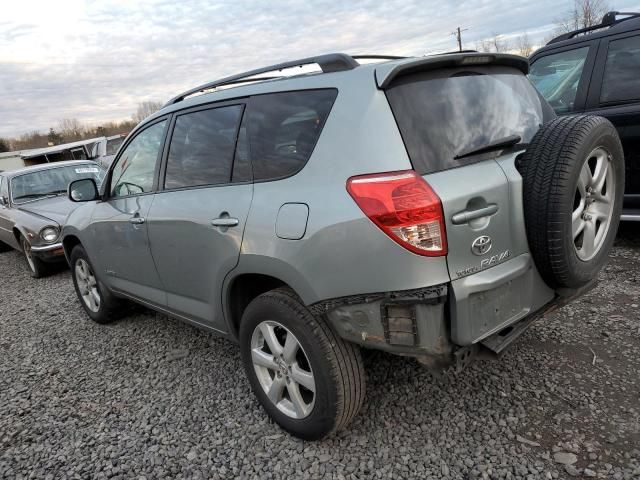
(29, 255)
(283, 369)
(87, 285)
(593, 204)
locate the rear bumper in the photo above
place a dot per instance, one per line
(491, 308)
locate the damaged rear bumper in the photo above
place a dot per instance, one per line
(417, 323)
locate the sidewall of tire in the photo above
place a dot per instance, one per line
(322, 419)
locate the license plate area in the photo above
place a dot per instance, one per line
(484, 303)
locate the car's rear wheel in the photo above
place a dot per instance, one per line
(573, 182)
(4, 247)
(96, 299)
(37, 268)
(310, 381)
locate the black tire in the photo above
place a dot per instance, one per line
(110, 308)
(336, 365)
(36, 267)
(551, 168)
(4, 247)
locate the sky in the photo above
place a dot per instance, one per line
(96, 60)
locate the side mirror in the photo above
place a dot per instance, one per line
(84, 190)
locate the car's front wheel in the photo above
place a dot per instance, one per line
(37, 268)
(309, 380)
(96, 299)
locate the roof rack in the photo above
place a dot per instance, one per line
(609, 20)
(333, 62)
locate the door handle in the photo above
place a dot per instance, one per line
(466, 216)
(137, 220)
(225, 222)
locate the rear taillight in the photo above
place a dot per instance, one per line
(405, 207)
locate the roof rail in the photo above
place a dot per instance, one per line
(332, 62)
(609, 20)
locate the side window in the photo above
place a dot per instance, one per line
(134, 172)
(3, 188)
(621, 80)
(557, 77)
(284, 128)
(202, 147)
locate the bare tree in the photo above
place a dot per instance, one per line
(495, 44)
(585, 13)
(145, 109)
(71, 129)
(4, 145)
(523, 45)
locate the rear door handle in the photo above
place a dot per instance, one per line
(225, 222)
(466, 216)
(137, 220)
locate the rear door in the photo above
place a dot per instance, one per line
(615, 94)
(447, 117)
(197, 220)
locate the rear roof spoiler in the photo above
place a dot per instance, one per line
(386, 73)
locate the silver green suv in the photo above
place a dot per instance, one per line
(430, 207)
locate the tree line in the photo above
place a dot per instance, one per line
(585, 13)
(72, 130)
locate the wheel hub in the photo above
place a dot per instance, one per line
(283, 369)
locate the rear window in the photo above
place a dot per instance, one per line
(284, 128)
(444, 113)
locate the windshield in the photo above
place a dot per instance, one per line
(50, 182)
(557, 77)
(444, 114)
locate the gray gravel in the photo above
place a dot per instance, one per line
(149, 397)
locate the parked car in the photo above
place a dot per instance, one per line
(412, 205)
(597, 70)
(34, 206)
(104, 151)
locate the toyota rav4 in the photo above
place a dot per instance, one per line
(430, 207)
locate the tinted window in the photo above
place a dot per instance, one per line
(284, 129)
(445, 113)
(621, 81)
(557, 77)
(202, 146)
(135, 169)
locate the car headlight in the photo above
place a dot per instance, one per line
(49, 234)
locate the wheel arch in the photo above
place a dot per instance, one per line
(254, 276)
(69, 242)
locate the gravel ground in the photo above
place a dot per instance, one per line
(149, 397)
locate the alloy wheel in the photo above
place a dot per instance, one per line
(87, 285)
(593, 204)
(283, 369)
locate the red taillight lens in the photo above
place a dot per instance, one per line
(405, 207)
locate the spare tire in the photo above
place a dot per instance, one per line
(573, 186)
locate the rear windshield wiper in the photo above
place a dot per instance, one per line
(498, 144)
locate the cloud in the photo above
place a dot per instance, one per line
(96, 60)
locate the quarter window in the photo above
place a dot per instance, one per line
(135, 170)
(202, 147)
(621, 80)
(557, 77)
(284, 128)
